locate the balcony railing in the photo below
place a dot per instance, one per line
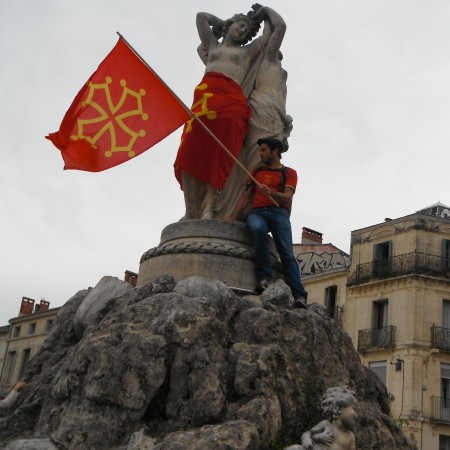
(376, 338)
(409, 263)
(440, 409)
(440, 338)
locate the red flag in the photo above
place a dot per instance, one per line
(121, 111)
(220, 104)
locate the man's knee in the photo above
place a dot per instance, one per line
(257, 226)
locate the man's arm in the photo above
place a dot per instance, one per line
(282, 198)
(241, 204)
(9, 400)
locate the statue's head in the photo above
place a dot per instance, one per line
(339, 402)
(251, 25)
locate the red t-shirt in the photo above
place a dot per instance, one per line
(272, 178)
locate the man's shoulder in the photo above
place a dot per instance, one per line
(290, 170)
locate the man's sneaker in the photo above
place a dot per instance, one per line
(262, 286)
(300, 302)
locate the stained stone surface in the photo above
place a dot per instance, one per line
(191, 365)
(217, 249)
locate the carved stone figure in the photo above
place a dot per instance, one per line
(335, 432)
(254, 69)
(267, 102)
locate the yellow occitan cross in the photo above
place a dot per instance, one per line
(203, 102)
(110, 120)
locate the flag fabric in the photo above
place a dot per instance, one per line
(220, 104)
(121, 111)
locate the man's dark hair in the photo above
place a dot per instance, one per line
(273, 144)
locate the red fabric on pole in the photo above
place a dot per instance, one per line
(220, 104)
(121, 111)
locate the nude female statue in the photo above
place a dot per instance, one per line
(220, 101)
(267, 102)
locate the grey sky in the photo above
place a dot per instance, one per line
(368, 89)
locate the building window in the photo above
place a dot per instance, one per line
(379, 369)
(445, 313)
(382, 254)
(445, 385)
(380, 314)
(16, 332)
(446, 254)
(382, 251)
(25, 358)
(32, 328)
(9, 368)
(49, 325)
(330, 300)
(444, 442)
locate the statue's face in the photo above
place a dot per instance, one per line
(348, 417)
(239, 30)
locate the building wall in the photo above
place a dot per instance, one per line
(318, 258)
(4, 333)
(414, 306)
(26, 335)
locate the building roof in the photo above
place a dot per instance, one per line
(4, 329)
(34, 315)
(436, 205)
(436, 210)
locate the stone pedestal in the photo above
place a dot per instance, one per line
(210, 248)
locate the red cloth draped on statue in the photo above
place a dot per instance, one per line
(220, 104)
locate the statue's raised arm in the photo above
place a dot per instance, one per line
(204, 23)
(274, 29)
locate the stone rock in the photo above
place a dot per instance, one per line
(139, 441)
(192, 365)
(31, 444)
(106, 290)
(277, 295)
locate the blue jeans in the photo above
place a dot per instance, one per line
(276, 220)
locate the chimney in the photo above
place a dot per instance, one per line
(43, 305)
(311, 237)
(26, 307)
(130, 277)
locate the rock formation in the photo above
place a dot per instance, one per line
(190, 365)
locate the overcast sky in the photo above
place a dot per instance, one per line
(368, 88)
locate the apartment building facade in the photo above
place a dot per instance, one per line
(26, 333)
(395, 305)
(324, 269)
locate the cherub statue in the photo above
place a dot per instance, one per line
(335, 432)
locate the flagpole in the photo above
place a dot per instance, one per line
(194, 116)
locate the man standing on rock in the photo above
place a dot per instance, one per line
(274, 182)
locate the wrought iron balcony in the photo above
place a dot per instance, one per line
(407, 264)
(376, 338)
(440, 409)
(440, 338)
